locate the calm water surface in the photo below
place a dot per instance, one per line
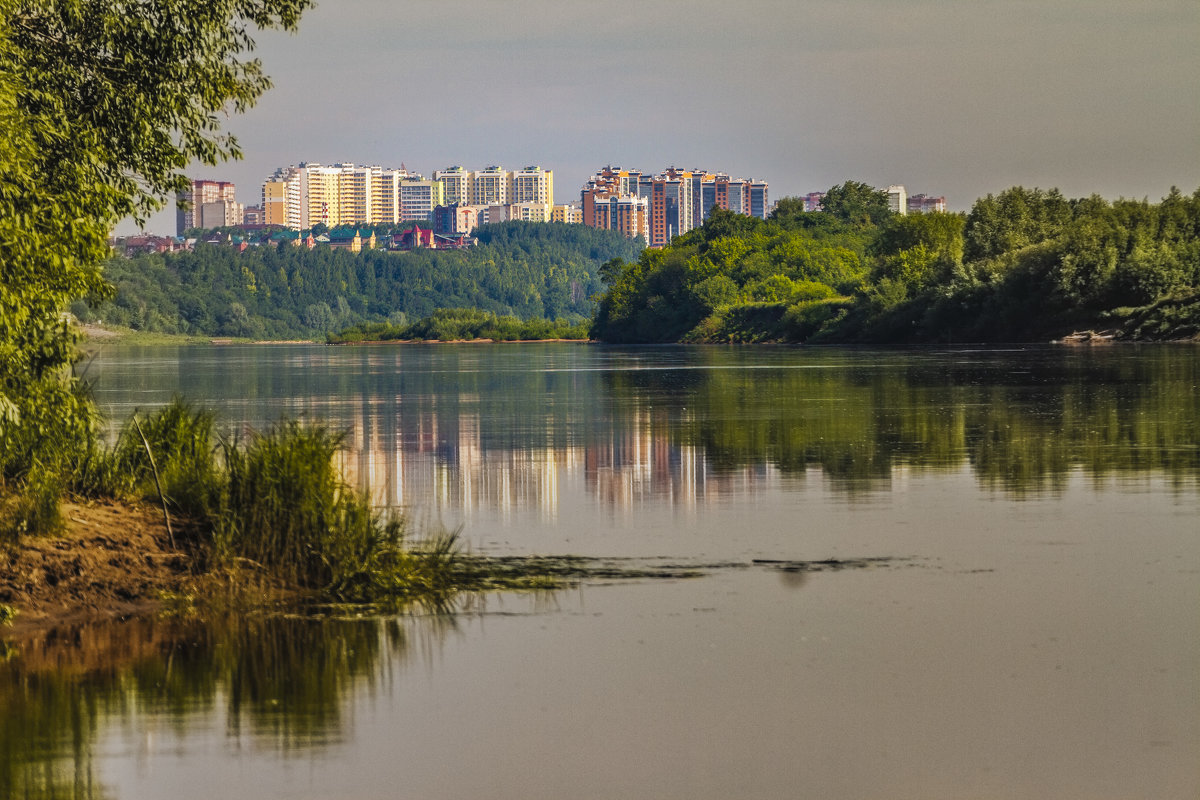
(1037, 636)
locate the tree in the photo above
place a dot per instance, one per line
(1016, 218)
(920, 249)
(102, 107)
(857, 204)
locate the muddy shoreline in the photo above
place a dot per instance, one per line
(111, 561)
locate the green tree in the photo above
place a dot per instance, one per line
(920, 249)
(858, 204)
(1016, 218)
(102, 107)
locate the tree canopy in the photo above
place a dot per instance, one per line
(102, 107)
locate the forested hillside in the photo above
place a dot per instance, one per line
(1025, 265)
(526, 270)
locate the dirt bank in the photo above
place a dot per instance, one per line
(113, 560)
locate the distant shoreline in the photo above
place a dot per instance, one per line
(98, 335)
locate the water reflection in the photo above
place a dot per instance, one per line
(502, 429)
(277, 683)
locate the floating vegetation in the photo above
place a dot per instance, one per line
(828, 564)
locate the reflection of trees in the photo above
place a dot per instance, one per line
(283, 682)
(1022, 421)
(677, 421)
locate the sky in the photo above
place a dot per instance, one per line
(959, 98)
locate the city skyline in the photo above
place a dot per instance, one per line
(959, 100)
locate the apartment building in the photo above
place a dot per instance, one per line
(322, 203)
(385, 195)
(570, 214)
(348, 194)
(458, 185)
(758, 203)
(530, 212)
(218, 214)
(455, 218)
(491, 187)
(671, 204)
(191, 201)
(418, 199)
(281, 197)
(923, 204)
(299, 197)
(626, 213)
(533, 185)
(677, 200)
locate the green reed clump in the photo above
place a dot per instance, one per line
(395, 570)
(170, 455)
(180, 444)
(287, 507)
(276, 498)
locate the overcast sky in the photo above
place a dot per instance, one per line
(949, 97)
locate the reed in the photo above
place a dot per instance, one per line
(274, 499)
(180, 444)
(287, 507)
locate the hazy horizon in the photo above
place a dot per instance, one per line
(950, 99)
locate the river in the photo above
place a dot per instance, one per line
(1026, 625)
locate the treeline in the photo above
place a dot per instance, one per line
(459, 324)
(1025, 265)
(519, 269)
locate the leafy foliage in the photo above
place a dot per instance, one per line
(102, 105)
(730, 262)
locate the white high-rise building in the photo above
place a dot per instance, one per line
(897, 199)
(284, 198)
(418, 198)
(533, 185)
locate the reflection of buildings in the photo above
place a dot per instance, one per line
(642, 463)
(423, 461)
(443, 460)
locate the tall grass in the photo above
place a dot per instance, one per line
(286, 506)
(180, 445)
